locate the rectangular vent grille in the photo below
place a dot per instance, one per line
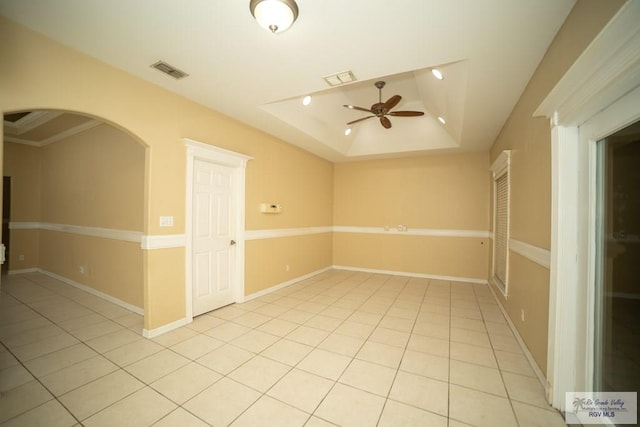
(169, 69)
(340, 78)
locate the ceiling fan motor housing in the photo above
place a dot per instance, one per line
(378, 109)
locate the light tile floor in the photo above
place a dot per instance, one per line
(341, 348)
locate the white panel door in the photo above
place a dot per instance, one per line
(213, 245)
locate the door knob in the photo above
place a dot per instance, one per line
(233, 242)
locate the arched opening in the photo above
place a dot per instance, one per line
(77, 188)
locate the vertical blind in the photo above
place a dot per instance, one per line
(501, 232)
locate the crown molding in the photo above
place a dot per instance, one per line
(606, 71)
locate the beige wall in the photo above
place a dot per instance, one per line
(439, 192)
(91, 179)
(529, 140)
(159, 120)
(96, 179)
(267, 259)
(303, 185)
(25, 243)
(112, 267)
(23, 164)
(460, 258)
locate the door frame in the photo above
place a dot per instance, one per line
(238, 162)
(599, 95)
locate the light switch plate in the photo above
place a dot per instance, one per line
(166, 221)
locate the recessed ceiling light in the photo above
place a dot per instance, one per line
(306, 100)
(442, 120)
(437, 74)
(347, 131)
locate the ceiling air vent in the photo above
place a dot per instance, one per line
(340, 78)
(169, 69)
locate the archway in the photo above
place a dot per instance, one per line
(78, 202)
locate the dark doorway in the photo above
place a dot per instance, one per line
(6, 217)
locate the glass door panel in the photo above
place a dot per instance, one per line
(617, 352)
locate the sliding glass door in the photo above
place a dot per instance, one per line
(617, 297)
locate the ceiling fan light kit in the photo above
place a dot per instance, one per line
(274, 15)
(383, 109)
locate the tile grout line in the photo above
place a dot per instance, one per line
(83, 342)
(54, 397)
(336, 381)
(262, 394)
(404, 351)
(98, 353)
(504, 384)
(326, 292)
(265, 392)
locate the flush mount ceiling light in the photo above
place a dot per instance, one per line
(306, 100)
(274, 15)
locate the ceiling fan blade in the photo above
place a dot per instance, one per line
(392, 102)
(385, 122)
(406, 113)
(359, 120)
(353, 107)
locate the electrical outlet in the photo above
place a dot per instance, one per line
(287, 267)
(82, 269)
(522, 314)
(21, 257)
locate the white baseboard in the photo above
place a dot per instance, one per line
(23, 271)
(534, 365)
(152, 333)
(284, 284)
(145, 332)
(470, 280)
(365, 270)
(85, 288)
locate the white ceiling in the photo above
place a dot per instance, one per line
(487, 50)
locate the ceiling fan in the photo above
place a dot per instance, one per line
(383, 109)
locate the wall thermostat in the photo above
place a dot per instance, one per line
(270, 208)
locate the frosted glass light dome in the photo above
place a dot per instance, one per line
(274, 15)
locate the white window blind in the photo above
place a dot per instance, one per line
(501, 194)
(501, 232)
